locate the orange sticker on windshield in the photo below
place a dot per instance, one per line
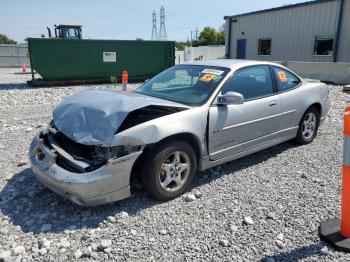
(282, 76)
(207, 78)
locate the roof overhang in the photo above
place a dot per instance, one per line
(279, 8)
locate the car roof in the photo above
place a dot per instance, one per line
(230, 63)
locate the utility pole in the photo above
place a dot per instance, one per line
(196, 34)
(191, 47)
(162, 30)
(154, 26)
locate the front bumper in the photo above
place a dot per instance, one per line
(107, 184)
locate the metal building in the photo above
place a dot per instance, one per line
(13, 55)
(315, 31)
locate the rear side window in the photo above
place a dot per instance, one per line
(285, 79)
(251, 82)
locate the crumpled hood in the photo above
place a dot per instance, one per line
(92, 117)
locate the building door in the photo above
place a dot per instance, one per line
(241, 43)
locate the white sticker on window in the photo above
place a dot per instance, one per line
(109, 57)
(212, 71)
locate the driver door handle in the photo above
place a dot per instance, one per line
(274, 103)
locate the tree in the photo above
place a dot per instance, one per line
(209, 36)
(221, 38)
(221, 33)
(5, 40)
(180, 46)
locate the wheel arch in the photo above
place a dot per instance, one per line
(316, 105)
(190, 138)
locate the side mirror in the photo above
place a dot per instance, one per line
(230, 98)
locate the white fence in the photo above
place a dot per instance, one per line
(204, 53)
(200, 53)
(179, 57)
(14, 55)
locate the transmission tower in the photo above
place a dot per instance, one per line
(154, 26)
(162, 30)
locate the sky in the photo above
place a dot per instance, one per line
(115, 19)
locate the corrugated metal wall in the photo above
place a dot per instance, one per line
(344, 41)
(292, 31)
(13, 55)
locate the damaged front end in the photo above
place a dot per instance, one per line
(80, 158)
(88, 175)
(87, 152)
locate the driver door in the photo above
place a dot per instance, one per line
(237, 128)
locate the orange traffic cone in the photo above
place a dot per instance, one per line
(336, 232)
(24, 69)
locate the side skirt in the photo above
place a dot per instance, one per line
(207, 163)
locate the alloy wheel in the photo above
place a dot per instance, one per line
(309, 125)
(174, 171)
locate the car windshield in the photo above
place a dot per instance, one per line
(185, 84)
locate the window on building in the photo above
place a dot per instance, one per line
(252, 82)
(324, 45)
(264, 46)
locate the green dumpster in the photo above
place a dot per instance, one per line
(66, 60)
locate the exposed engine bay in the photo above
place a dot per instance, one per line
(80, 158)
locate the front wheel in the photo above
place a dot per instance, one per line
(308, 126)
(168, 169)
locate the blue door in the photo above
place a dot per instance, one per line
(241, 48)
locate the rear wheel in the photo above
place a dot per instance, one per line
(168, 169)
(308, 126)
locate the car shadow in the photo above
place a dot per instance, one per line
(23, 86)
(236, 165)
(296, 254)
(14, 86)
(28, 204)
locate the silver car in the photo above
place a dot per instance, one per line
(188, 118)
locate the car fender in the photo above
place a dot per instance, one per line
(192, 121)
(316, 92)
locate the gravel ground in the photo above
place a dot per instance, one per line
(265, 207)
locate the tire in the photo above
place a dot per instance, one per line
(308, 126)
(161, 164)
